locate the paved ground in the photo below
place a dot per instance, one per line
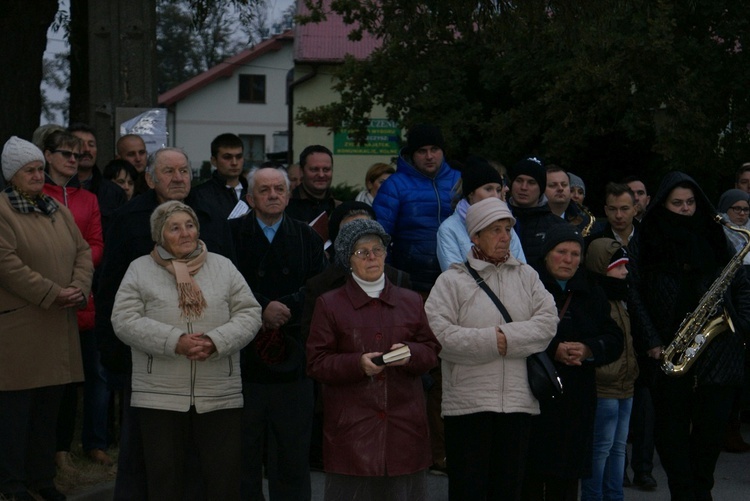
(732, 482)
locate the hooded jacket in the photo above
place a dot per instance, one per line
(617, 379)
(674, 260)
(411, 206)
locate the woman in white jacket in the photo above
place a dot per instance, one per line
(186, 313)
(487, 402)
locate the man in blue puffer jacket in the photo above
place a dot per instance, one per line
(413, 202)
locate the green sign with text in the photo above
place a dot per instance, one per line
(383, 138)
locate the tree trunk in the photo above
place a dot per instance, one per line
(23, 37)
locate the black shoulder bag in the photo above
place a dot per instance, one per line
(544, 381)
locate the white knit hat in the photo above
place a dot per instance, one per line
(485, 212)
(17, 153)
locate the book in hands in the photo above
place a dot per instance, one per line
(392, 356)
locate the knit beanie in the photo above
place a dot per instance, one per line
(731, 197)
(532, 167)
(343, 210)
(484, 213)
(562, 232)
(351, 232)
(604, 254)
(165, 211)
(476, 173)
(423, 135)
(17, 153)
(576, 181)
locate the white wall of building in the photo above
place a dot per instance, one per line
(215, 109)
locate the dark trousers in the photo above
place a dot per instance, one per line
(283, 413)
(27, 438)
(170, 442)
(642, 430)
(486, 455)
(689, 433)
(95, 402)
(546, 488)
(66, 417)
(131, 468)
(96, 396)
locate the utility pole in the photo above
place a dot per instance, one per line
(121, 65)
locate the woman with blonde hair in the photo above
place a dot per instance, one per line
(376, 175)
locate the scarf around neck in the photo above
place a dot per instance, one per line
(478, 254)
(26, 204)
(191, 300)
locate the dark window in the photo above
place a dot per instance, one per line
(253, 89)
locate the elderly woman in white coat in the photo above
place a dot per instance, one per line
(186, 312)
(487, 402)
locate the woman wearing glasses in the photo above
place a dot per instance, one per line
(62, 151)
(735, 204)
(376, 440)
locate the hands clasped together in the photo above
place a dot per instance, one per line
(196, 346)
(71, 297)
(570, 353)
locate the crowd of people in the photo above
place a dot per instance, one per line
(253, 325)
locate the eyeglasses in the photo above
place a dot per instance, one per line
(741, 210)
(67, 154)
(363, 254)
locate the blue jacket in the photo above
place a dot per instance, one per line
(411, 206)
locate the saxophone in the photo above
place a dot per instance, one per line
(708, 320)
(587, 229)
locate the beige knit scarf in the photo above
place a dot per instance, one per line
(191, 300)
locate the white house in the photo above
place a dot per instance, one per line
(243, 95)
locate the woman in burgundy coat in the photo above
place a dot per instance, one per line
(376, 439)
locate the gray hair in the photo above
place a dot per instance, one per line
(154, 157)
(254, 171)
(163, 212)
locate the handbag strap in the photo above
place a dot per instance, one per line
(565, 306)
(486, 288)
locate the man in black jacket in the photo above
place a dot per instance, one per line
(530, 208)
(110, 196)
(227, 186)
(313, 196)
(277, 255)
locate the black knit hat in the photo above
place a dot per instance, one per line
(343, 210)
(476, 173)
(423, 135)
(532, 167)
(562, 232)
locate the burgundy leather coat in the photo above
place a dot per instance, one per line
(372, 426)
